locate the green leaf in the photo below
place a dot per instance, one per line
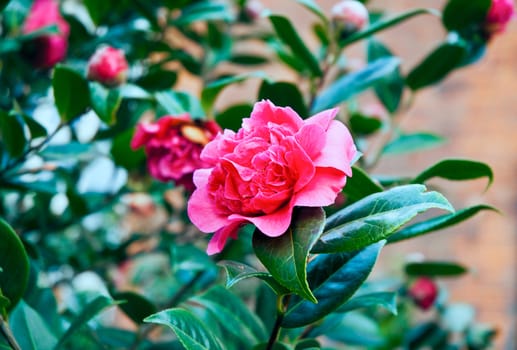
(461, 15)
(232, 117)
(12, 134)
(456, 169)
(191, 332)
(248, 60)
(333, 278)
(212, 90)
(71, 93)
(204, 11)
(387, 300)
(135, 92)
(360, 185)
(136, 306)
(236, 272)
(437, 223)
(437, 65)
(98, 9)
(91, 310)
(353, 83)
(289, 36)
(3, 4)
(233, 315)
(176, 103)
(35, 128)
(408, 143)
(158, 79)
(314, 8)
(389, 90)
(105, 102)
(435, 269)
(285, 257)
(385, 24)
(30, 330)
(307, 344)
(284, 94)
(363, 124)
(276, 346)
(376, 217)
(14, 265)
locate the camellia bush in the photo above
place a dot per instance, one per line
(143, 209)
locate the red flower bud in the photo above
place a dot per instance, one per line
(173, 146)
(349, 16)
(108, 66)
(499, 15)
(47, 49)
(253, 9)
(424, 292)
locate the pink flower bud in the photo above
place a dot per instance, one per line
(47, 49)
(499, 15)
(108, 66)
(424, 292)
(253, 9)
(349, 15)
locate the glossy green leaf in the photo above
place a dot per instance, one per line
(385, 24)
(12, 134)
(131, 91)
(408, 143)
(134, 305)
(276, 346)
(353, 83)
(360, 185)
(435, 269)
(437, 65)
(35, 128)
(461, 15)
(333, 278)
(30, 330)
(248, 60)
(285, 257)
(456, 169)
(158, 79)
(289, 36)
(204, 11)
(233, 314)
(231, 118)
(92, 309)
(284, 94)
(387, 300)
(376, 217)
(437, 223)
(191, 331)
(354, 329)
(363, 124)
(307, 344)
(389, 90)
(312, 6)
(176, 103)
(212, 90)
(105, 102)
(236, 272)
(98, 9)
(71, 93)
(14, 265)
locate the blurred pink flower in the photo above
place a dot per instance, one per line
(173, 146)
(351, 15)
(499, 15)
(275, 162)
(424, 292)
(48, 49)
(108, 66)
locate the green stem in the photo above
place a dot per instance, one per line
(280, 312)
(6, 332)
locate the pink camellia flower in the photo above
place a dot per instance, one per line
(275, 162)
(424, 292)
(108, 66)
(349, 15)
(48, 49)
(173, 146)
(499, 15)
